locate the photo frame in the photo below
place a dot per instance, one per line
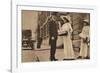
(17, 65)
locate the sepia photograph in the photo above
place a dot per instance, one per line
(48, 36)
(52, 37)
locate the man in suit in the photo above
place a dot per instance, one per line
(53, 26)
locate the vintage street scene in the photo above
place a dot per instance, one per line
(54, 36)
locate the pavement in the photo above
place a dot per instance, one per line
(41, 55)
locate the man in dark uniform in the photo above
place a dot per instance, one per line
(53, 35)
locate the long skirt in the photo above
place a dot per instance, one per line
(84, 49)
(68, 48)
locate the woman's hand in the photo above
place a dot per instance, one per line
(84, 40)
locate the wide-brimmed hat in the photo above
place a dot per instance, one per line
(86, 21)
(66, 19)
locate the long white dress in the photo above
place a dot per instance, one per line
(68, 48)
(84, 48)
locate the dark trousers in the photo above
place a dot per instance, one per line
(53, 48)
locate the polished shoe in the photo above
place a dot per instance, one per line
(87, 57)
(68, 59)
(54, 59)
(80, 57)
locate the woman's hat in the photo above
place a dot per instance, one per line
(65, 19)
(86, 21)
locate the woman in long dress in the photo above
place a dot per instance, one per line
(85, 39)
(68, 48)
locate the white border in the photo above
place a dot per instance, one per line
(17, 66)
